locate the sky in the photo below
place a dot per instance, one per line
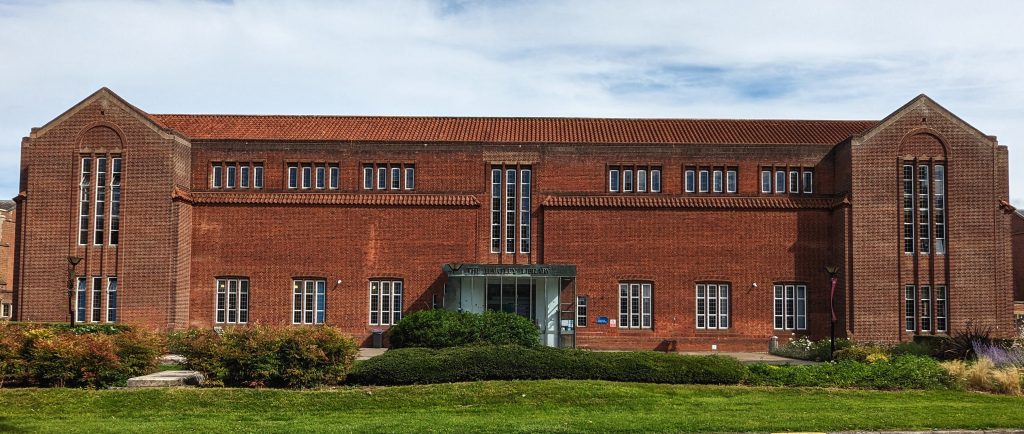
(590, 58)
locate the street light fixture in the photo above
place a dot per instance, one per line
(72, 263)
(832, 270)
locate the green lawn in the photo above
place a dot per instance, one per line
(502, 406)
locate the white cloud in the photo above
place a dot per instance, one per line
(810, 59)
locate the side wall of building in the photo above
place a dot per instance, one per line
(7, 224)
(1017, 236)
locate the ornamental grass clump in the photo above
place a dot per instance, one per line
(984, 376)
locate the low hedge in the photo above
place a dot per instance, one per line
(259, 356)
(510, 362)
(441, 328)
(40, 355)
(902, 372)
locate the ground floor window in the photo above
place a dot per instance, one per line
(232, 301)
(712, 305)
(581, 311)
(790, 307)
(80, 294)
(111, 299)
(97, 297)
(925, 308)
(511, 297)
(385, 302)
(635, 305)
(308, 299)
(5, 310)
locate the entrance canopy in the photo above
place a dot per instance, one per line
(494, 270)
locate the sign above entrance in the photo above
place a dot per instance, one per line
(529, 270)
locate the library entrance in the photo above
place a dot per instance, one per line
(546, 294)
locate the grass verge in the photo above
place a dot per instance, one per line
(502, 406)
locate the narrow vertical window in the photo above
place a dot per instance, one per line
(221, 302)
(308, 302)
(613, 180)
(641, 180)
(634, 302)
(923, 199)
(410, 178)
(623, 305)
(581, 311)
(80, 294)
(723, 306)
(385, 302)
(780, 309)
(910, 305)
(495, 210)
(780, 181)
(218, 175)
(941, 309)
(627, 180)
(257, 176)
(926, 308)
(712, 307)
(794, 181)
(645, 305)
(293, 176)
(704, 181)
(766, 181)
(908, 208)
(335, 176)
(691, 182)
(701, 308)
(396, 177)
(939, 193)
(84, 201)
(525, 180)
(297, 302)
(510, 210)
(232, 175)
(243, 176)
(374, 302)
(730, 181)
(320, 175)
(655, 180)
(97, 298)
(717, 181)
(396, 301)
(111, 299)
(321, 299)
(808, 181)
(101, 199)
(307, 175)
(243, 301)
(367, 178)
(790, 307)
(115, 201)
(382, 178)
(801, 307)
(232, 301)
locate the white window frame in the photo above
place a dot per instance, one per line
(511, 205)
(808, 181)
(226, 291)
(794, 181)
(217, 180)
(307, 177)
(382, 178)
(641, 180)
(368, 177)
(614, 183)
(96, 301)
(293, 176)
(496, 208)
(780, 181)
(941, 308)
(410, 177)
(789, 307)
(396, 177)
(114, 221)
(393, 300)
(704, 184)
(638, 298)
(312, 300)
(231, 175)
(731, 181)
(910, 308)
(582, 302)
(81, 299)
(257, 176)
(111, 295)
(627, 180)
(909, 216)
(334, 177)
(925, 302)
(100, 201)
(243, 175)
(321, 175)
(84, 201)
(939, 213)
(5, 310)
(766, 181)
(717, 181)
(655, 180)
(525, 210)
(690, 181)
(713, 310)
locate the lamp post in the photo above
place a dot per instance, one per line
(72, 263)
(832, 270)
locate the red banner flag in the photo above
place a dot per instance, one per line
(832, 298)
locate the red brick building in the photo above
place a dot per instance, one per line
(6, 258)
(624, 233)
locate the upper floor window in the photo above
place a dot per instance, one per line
(389, 176)
(635, 308)
(712, 306)
(511, 208)
(787, 180)
(924, 207)
(710, 179)
(318, 176)
(232, 175)
(100, 199)
(634, 179)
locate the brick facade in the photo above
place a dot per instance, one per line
(180, 233)
(1017, 237)
(7, 222)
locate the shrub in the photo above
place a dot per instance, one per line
(804, 348)
(53, 357)
(904, 372)
(1000, 355)
(512, 362)
(13, 367)
(315, 356)
(440, 328)
(261, 356)
(861, 353)
(960, 344)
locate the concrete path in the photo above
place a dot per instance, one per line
(366, 353)
(167, 379)
(766, 358)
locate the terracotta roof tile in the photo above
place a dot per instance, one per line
(511, 130)
(335, 199)
(625, 201)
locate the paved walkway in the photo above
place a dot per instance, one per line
(366, 353)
